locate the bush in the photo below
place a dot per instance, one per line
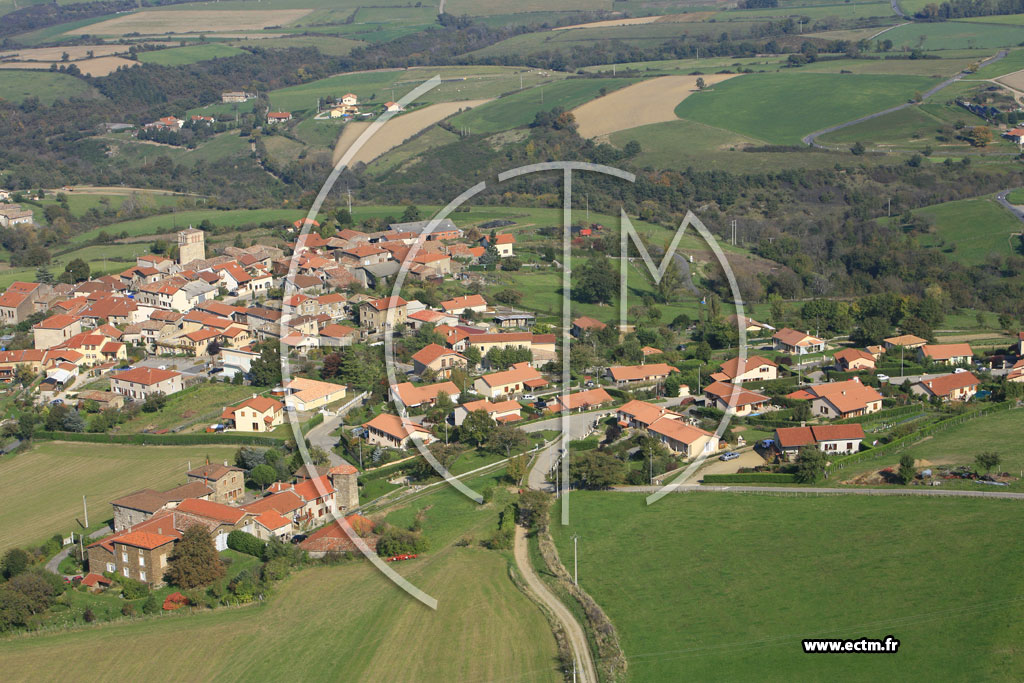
(152, 604)
(245, 542)
(88, 615)
(395, 541)
(132, 589)
(128, 609)
(276, 569)
(750, 478)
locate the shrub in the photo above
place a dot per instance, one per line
(132, 589)
(152, 604)
(751, 478)
(276, 569)
(245, 542)
(88, 615)
(128, 609)
(395, 541)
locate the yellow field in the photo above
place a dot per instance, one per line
(651, 101)
(100, 66)
(633, 21)
(334, 623)
(54, 54)
(1014, 80)
(191, 21)
(396, 131)
(41, 490)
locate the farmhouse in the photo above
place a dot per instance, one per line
(797, 343)
(585, 324)
(12, 215)
(393, 431)
(958, 386)
(829, 438)
(227, 482)
(849, 360)
(755, 369)
(444, 230)
(437, 358)
(139, 506)
(499, 411)
(518, 379)
(236, 96)
(502, 243)
(333, 539)
(139, 384)
(624, 375)
(256, 414)
(413, 396)
(749, 324)
(15, 307)
(278, 116)
(948, 354)
(720, 394)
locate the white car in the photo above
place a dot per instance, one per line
(883, 378)
(528, 397)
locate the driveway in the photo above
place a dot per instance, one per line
(748, 458)
(580, 426)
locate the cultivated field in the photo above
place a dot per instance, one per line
(725, 586)
(191, 21)
(16, 85)
(954, 35)
(56, 54)
(1014, 80)
(824, 100)
(651, 101)
(42, 488)
(178, 56)
(100, 66)
(971, 229)
(395, 131)
(633, 21)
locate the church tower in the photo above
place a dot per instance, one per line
(191, 246)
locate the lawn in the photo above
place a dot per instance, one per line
(971, 228)
(16, 85)
(192, 408)
(170, 222)
(42, 488)
(761, 105)
(518, 109)
(1016, 197)
(725, 586)
(179, 56)
(953, 35)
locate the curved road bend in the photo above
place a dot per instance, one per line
(895, 8)
(1012, 208)
(812, 139)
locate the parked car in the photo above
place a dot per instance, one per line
(298, 538)
(528, 397)
(767, 443)
(882, 378)
(731, 455)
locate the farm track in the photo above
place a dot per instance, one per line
(812, 139)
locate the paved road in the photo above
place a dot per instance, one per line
(580, 425)
(54, 563)
(843, 491)
(897, 9)
(813, 137)
(1012, 208)
(585, 671)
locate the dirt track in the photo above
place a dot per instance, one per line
(396, 131)
(650, 101)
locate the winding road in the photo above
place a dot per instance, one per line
(812, 139)
(1012, 208)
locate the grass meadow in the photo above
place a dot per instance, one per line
(725, 586)
(16, 85)
(954, 35)
(761, 105)
(179, 56)
(974, 228)
(42, 488)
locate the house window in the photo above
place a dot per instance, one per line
(163, 561)
(142, 560)
(142, 576)
(124, 556)
(124, 570)
(111, 567)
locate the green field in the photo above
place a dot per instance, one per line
(958, 446)
(518, 109)
(761, 105)
(1014, 61)
(977, 228)
(1004, 19)
(725, 586)
(814, 11)
(953, 35)
(1016, 197)
(192, 409)
(178, 56)
(16, 85)
(42, 488)
(182, 219)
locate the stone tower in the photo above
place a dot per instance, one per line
(191, 246)
(345, 479)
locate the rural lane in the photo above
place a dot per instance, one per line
(584, 669)
(822, 490)
(53, 566)
(895, 8)
(812, 139)
(1012, 208)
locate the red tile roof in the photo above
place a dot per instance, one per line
(144, 540)
(211, 510)
(145, 376)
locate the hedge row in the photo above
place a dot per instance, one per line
(884, 414)
(751, 478)
(202, 439)
(909, 440)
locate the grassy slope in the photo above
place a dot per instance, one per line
(200, 406)
(761, 105)
(953, 35)
(181, 219)
(179, 56)
(977, 227)
(519, 108)
(16, 85)
(42, 488)
(724, 587)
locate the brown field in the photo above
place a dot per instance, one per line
(191, 21)
(1014, 80)
(634, 21)
(54, 54)
(396, 131)
(100, 66)
(651, 101)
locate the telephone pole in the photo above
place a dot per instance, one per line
(575, 565)
(85, 509)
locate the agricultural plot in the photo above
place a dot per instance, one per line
(100, 66)
(56, 54)
(913, 128)
(182, 219)
(647, 102)
(887, 563)
(42, 488)
(951, 35)
(485, 7)
(432, 137)
(178, 56)
(519, 108)
(1004, 19)
(15, 86)
(970, 229)
(825, 99)
(813, 11)
(191, 21)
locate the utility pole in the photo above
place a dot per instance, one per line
(587, 197)
(347, 190)
(889, 210)
(575, 565)
(85, 508)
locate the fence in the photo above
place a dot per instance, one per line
(750, 478)
(911, 439)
